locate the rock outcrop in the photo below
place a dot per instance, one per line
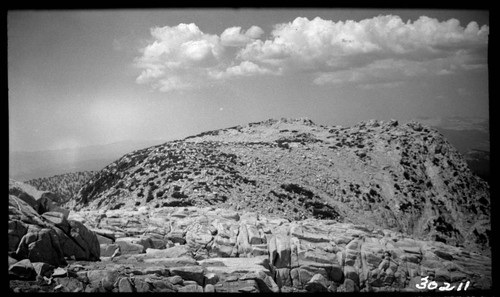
(403, 177)
(217, 250)
(40, 231)
(40, 201)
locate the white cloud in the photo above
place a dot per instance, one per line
(233, 36)
(175, 52)
(380, 50)
(184, 57)
(254, 32)
(339, 44)
(245, 68)
(387, 72)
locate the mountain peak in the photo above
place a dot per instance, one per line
(405, 177)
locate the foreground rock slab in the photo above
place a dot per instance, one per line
(301, 256)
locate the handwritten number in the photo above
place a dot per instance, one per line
(423, 285)
(467, 285)
(446, 287)
(432, 285)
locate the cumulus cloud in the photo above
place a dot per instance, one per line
(233, 36)
(382, 50)
(182, 57)
(174, 52)
(245, 68)
(387, 72)
(319, 44)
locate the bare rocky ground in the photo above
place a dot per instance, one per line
(277, 206)
(191, 249)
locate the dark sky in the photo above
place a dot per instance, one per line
(79, 78)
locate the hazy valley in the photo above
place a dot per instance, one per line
(26, 165)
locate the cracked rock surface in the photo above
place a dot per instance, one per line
(216, 250)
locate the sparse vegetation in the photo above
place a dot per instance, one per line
(296, 169)
(64, 185)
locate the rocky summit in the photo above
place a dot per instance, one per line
(276, 206)
(406, 178)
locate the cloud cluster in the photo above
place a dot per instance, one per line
(382, 50)
(233, 36)
(167, 62)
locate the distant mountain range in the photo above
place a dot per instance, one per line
(37, 164)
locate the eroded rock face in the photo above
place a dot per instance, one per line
(46, 236)
(276, 255)
(40, 201)
(403, 177)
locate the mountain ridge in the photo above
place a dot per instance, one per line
(403, 177)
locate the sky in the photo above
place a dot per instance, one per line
(88, 77)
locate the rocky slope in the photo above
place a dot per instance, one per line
(65, 186)
(402, 177)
